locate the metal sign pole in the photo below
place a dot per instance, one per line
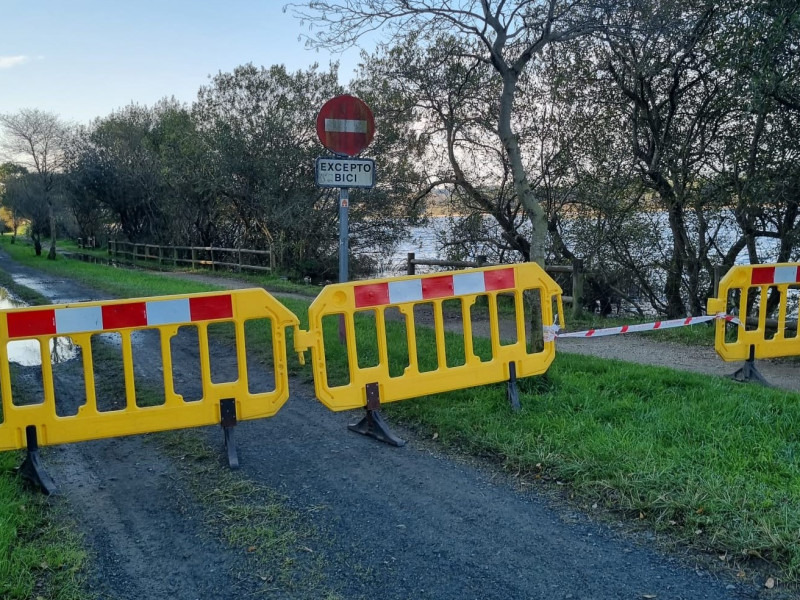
(344, 226)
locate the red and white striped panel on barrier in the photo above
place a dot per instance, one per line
(552, 332)
(775, 275)
(431, 288)
(83, 319)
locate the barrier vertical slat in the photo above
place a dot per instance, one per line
(411, 336)
(47, 374)
(205, 358)
(241, 353)
(467, 302)
(383, 349)
(784, 293)
(166, 334)
(127, 369)
(5, 380)
(438, 327)
(743, 302)
(88, 376)
(494, 324)
(350, 341)
(762, 308)
(519, 315)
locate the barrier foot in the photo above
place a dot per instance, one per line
(512, 391)
(228, 421)
(372, 424)
(748, 372)
(31, 468)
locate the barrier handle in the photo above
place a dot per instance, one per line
(303, 340)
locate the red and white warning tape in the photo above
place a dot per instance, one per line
(552, 332)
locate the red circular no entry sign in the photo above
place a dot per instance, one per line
(345, 125)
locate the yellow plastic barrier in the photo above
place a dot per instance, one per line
(750, 343)
(399, 373)
(221, 402)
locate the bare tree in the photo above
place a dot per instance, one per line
(508, 36)
(35, 139)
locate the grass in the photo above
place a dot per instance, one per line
(714, 464)
(258, 280)
(41, 556)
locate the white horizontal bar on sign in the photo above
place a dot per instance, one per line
(346, 125)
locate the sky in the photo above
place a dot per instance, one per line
(83, 59)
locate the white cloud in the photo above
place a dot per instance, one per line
(7, 62)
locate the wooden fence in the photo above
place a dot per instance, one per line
(575, 269)
(237, 259)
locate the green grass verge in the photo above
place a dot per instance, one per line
(713, 463)
(41, 556)
(268, 281)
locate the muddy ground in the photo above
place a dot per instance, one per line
(385, 522)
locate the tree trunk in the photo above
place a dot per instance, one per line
(51, 255)
(528, 199)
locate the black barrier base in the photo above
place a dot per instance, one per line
(227, 409)
(748, 372)
(372, 424)
(512, 391)
(31, 468)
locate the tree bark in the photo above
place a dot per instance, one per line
(51, 255)
(530, 202)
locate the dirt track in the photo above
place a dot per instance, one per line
(390, 522)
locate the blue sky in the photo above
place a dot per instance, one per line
(82, 59)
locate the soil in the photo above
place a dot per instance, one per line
(410, 522)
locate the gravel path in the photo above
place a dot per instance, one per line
(392, 522)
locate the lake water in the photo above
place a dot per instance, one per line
(423, 242)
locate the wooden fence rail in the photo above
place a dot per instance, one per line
(197, 256)
(576, 269)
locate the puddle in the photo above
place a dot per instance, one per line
(28, 352)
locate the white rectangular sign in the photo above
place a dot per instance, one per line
(345, 172)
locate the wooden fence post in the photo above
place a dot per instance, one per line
(577, 288)
(481, 260)
(194, 257)
(239, 265)
(410, 267)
